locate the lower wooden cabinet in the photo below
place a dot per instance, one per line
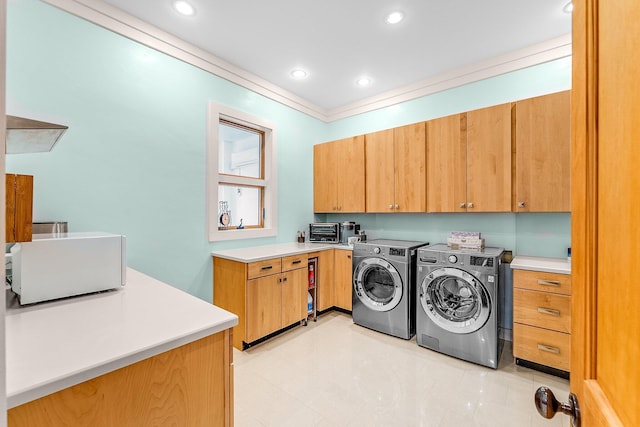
(343, 281)
(19, 208)
(542, 318)
(324, 277)
(266, 295)
(190, 385)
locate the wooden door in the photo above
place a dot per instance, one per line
(325, 280)
(343, 279)
(19, 208)
(379, 171)
(489, 159)
(325, 178)
(410, 171)
(264, 304)
(542, 137)
(294, 295)
(605, 205)
(447, 164)
(349, 153)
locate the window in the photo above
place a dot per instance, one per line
(241, 183)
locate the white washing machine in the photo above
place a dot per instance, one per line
(383, 288)
(457, 311)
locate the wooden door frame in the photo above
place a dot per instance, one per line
(584, 212)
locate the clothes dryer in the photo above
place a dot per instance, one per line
(457, 311)
(383, 288)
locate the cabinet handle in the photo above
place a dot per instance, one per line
(470, 205)
(284, 279)
(549, 348)
(463, 205)
(548, 282)
(339, 208)
(390, 206)
(334, 208)
(522, 204)
(549, 311)
(397, 206)
(348, 256)
(298, 261)
(266, 267)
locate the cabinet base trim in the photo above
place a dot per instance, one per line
(542, 368)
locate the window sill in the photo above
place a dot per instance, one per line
(247, 233)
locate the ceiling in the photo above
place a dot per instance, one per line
(337, 41)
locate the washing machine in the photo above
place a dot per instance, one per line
(383, 290)
(457, 310)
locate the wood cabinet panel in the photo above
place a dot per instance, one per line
(379, 171)
(410, 155)
(447, 164)
(343, 269)
(264, 306)
(325, 178)
(549, 348)
(190, 385)
(229, 292)
(542, 173)
(489, 159)
(542, 281)
(542, 309)
(294, 262)
(18, 208)
(263, 268)
(325, 280)
(294, 296)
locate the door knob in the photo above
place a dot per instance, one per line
(522, 204)
(470, 205)
(463, 205)
(396, 206)
(547, 405)
(390, 206)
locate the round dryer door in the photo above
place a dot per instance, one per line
(377, 284)
(455, 300)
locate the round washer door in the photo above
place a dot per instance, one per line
(377, 284)
(455, 300)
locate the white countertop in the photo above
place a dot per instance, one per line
(54, 345)
(259, 253)
(549, 265)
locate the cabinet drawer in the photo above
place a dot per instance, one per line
(549, 348)
(294, 261)
(263, 268)
(550, 311)
(542, 281)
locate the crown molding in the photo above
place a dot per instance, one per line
(118, 21)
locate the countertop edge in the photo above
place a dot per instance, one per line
(547, 265)
(261, 253)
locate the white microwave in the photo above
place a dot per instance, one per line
(58, 266)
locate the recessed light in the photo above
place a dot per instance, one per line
(394, 17)
(568, 8)
(363, 81)
(183, 8)
(299, 74)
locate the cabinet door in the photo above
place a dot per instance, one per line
(343, 279)
(379, 171)
(489, 159)
(542, 154)
(294, 296)
(350, 173)
(264, 303)
(324, 177)
(447, 164)
(325, 280)
(19, 208)
(410, 155)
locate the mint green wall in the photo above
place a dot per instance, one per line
(133, 159)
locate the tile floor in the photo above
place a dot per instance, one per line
(335, 373)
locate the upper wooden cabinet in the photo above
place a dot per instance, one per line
(396, 170)
(469, 161)
(542, 174)
(338, 176)
(19, 208)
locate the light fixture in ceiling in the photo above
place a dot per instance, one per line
(363, 81)
(568, 8)
(394, 17)
(184, 8)
(299, 74)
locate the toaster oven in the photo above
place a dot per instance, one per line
(324, 232)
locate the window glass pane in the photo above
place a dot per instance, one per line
(239, 151)
(239, 206)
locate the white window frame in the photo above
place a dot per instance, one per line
(215, 113)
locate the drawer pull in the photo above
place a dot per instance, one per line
(549, 311)
(548, 282)
(266, 267)
(548, 348)
(298, 261)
